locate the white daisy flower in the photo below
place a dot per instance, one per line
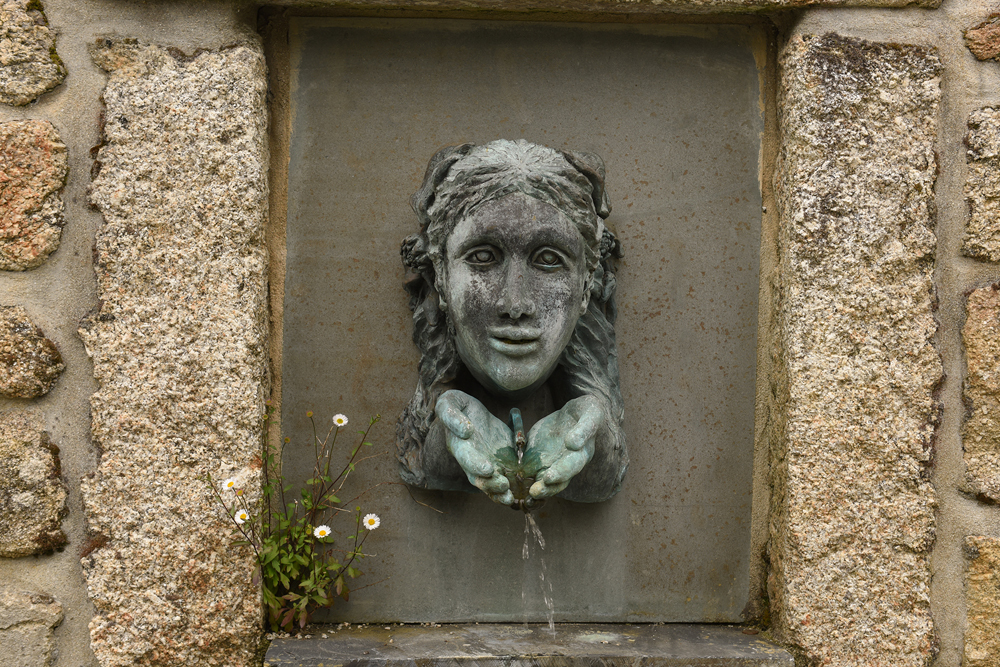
(321, 531)
(241, 516)
(230, 484)
(372, 521)
(340, 420)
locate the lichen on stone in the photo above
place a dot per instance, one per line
(30, 363)
(852, 517)
(32, 175)
(32, 492)
(29, 65)
(982, 232)
(179, 351)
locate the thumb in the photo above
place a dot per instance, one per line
(584, 430)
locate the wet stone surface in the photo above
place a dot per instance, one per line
(515, 645)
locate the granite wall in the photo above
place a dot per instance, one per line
(134, 354)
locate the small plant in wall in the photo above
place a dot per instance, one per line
(300, 566)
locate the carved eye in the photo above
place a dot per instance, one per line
(548, 259)
(481, 256)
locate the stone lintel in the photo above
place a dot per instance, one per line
(852, 518)
(519, 645)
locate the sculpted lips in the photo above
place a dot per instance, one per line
(515, 341)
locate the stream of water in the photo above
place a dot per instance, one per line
(533, 537)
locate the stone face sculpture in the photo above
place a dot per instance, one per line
(512, 291)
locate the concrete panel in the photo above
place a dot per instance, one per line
(675, 113)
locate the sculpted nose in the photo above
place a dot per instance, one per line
(515, 298)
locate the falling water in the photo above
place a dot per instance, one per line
(531, 530)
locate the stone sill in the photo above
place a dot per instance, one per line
(603, 8)
(518, 645)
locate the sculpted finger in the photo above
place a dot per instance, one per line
(497, 484)
(506, 498)
(584, 430)
(473, 463)
(542, 490)
(454, 419)
(563, 470)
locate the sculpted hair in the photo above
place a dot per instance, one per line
(458, 180)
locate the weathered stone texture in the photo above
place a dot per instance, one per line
(32, 492)
(853, 508)
(30, 364)
(982, 602)
(32, 173)
(179, 350)
(982, 187)
(981, 431)
(29, 65)
(984, 39)
(27, 619)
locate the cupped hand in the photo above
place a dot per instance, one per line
(563, 443)
(474, 436)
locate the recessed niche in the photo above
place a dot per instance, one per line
(676, 113)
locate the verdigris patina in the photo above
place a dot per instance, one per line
(512, 292)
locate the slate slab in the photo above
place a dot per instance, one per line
(514, 645)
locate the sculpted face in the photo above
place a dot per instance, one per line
(514, 285)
